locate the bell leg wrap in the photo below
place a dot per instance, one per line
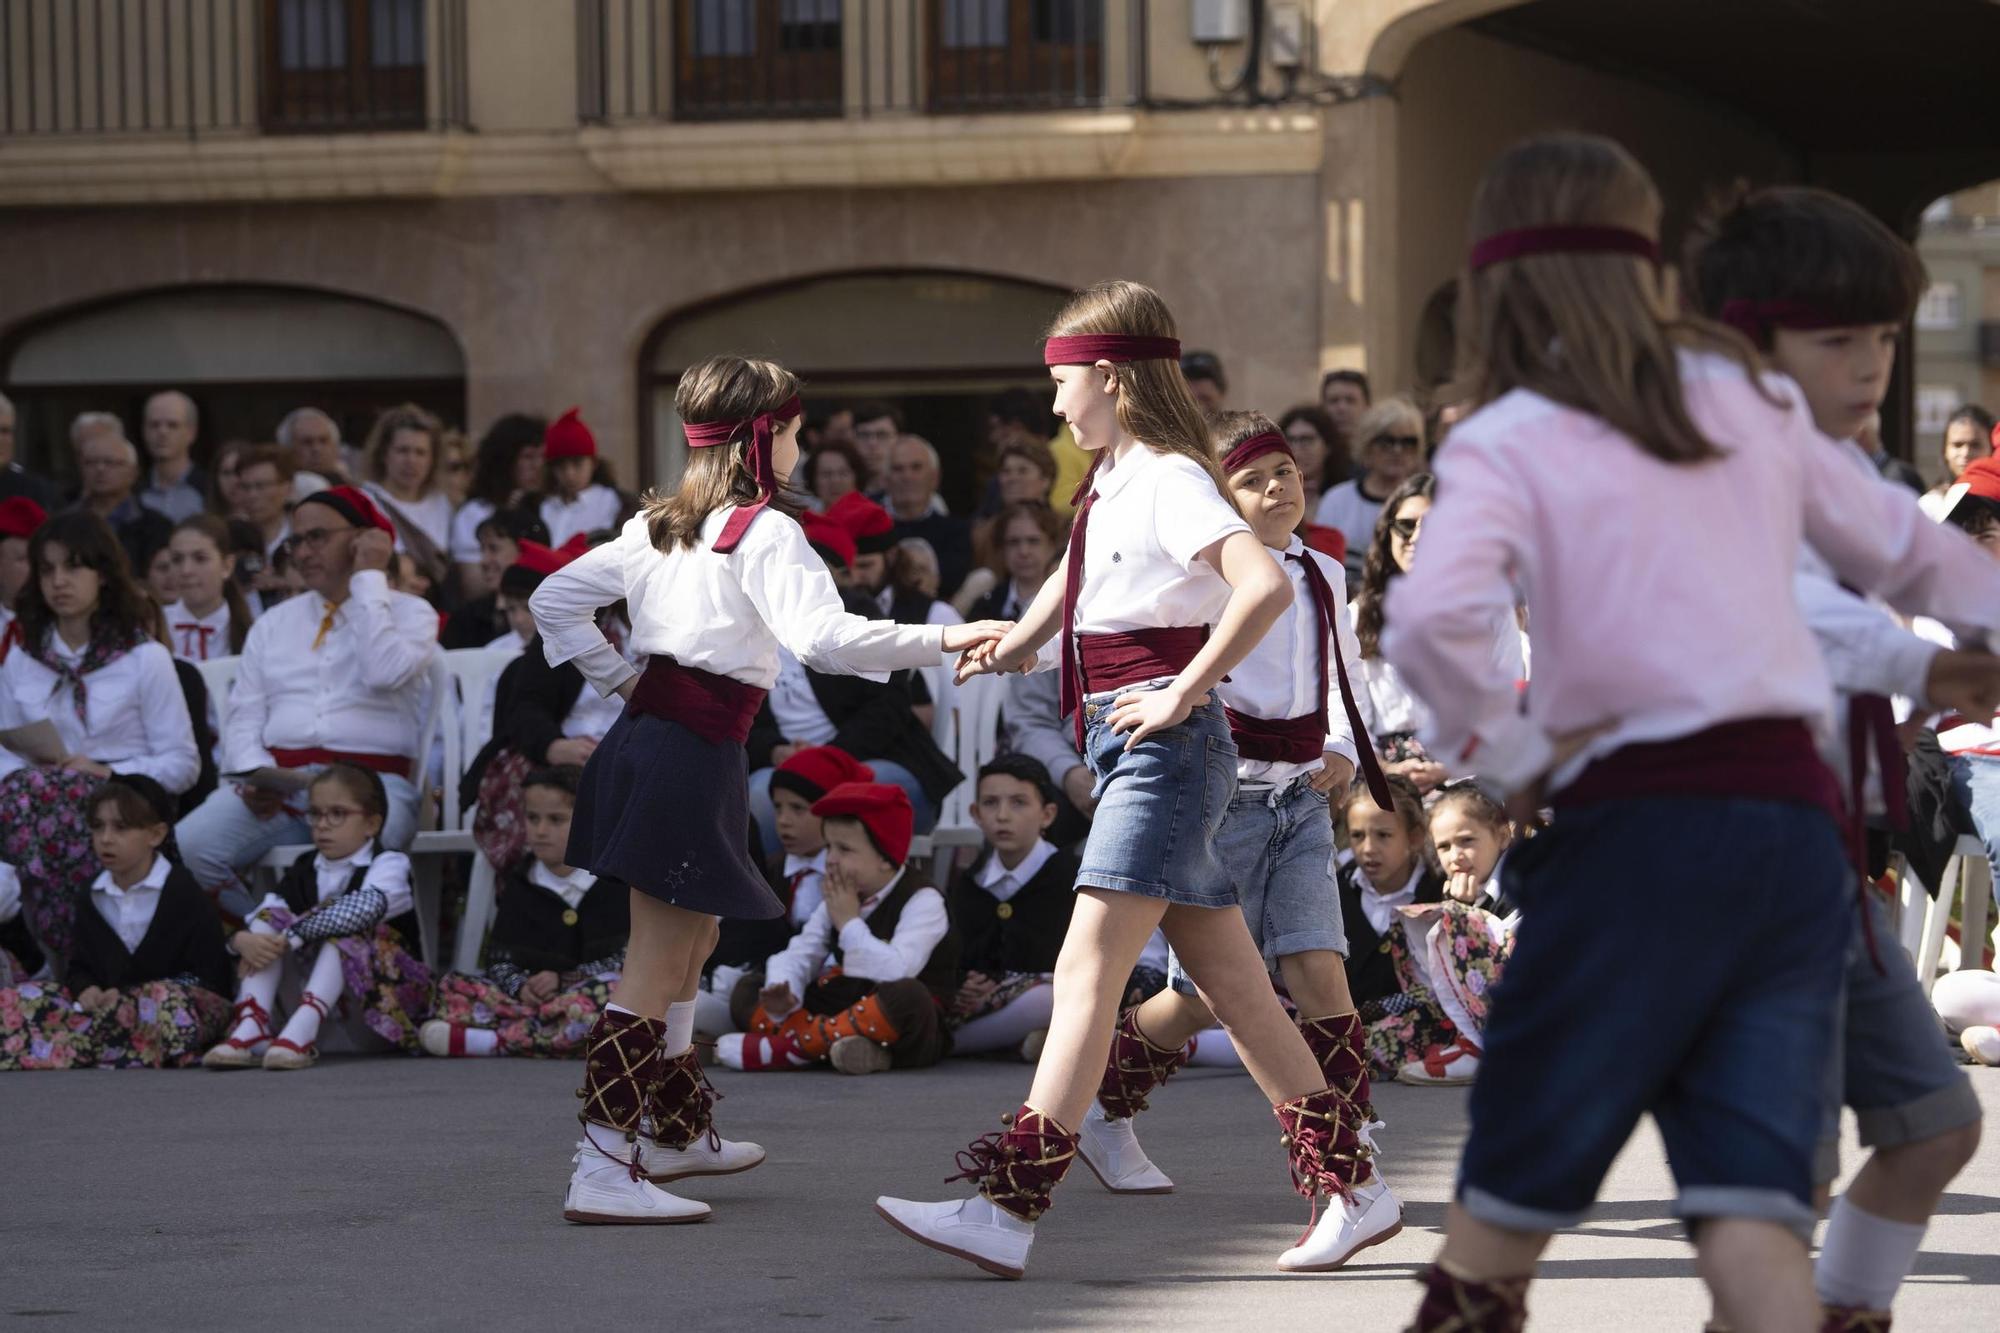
(1322, 1134)
(1454, 1304)
(1018, 1168)
(1135, 1067)
(681, 1103)
(622, 1064)
(1340, 1045)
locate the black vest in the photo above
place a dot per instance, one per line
(185, 937)
(1023, 934)
(1371, 970)
(300, 890)
(940, 972)
(542, 933)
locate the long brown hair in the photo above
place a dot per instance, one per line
(216, 530)
(722, 388)
(124, 614)
(1155, 405)
(382, 434)
(1589, 331)
(1380, 569)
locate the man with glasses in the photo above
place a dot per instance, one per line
(335, 674)
(15, 479)
(109, 464)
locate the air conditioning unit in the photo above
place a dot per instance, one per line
(1218, 22)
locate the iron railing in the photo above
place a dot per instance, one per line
(208, 67)
(803, 59)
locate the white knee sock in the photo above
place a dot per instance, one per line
(321, 992)
(473, 1041)
(261, 986)
(1214, 1050)
(1864, 1258)
(1007, 1026)
(680, 1028)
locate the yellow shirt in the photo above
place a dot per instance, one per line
(1072, 461)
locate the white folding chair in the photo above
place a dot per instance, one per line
(481, 902)
(1968, 885)
(218, 674)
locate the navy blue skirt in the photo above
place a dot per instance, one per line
(668, 813)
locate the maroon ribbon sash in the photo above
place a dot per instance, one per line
(1291, 740)
(1364, 747)
(715, 708)
(1770, 758)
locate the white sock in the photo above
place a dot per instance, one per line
(1006, 1027)
(1214, 1050)
(261, 986)
(321, 992)
(1864, 1258)
(680, 1028)
(475, 1041)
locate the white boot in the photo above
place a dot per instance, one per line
(602, 1191)
(1110, 1148)
(662, 1163)
(972, 1229)
(1347, 1227)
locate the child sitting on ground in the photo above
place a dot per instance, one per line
(862, 987)
(1011, 911)
(1389, 870)
(146, 976)
(344, 909)
(556, 948)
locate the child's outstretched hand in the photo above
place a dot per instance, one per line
(961, 638)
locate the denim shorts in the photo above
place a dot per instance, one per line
(1676, 955)
(1278, 843)
(1159, 807)
(1891, 1061)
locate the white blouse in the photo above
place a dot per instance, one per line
(198, 638)
(136, 718)
(594, 509)
(571, 888)
(1154, 515)
(432, 514)
(725, 614)
(1280, 677)
(130, 912)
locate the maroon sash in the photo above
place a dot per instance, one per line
(1290, 740)
(1770, 758)
(715, 708)
(1113, 661)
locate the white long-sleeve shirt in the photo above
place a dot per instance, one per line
(387, 871)
(1280, 677)
(918, 931)
(1663, 594)
(130, 912)
(135, 716)
(361, 691)
(725, 614)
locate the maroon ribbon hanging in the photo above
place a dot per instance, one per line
(1072, 672)
(1364, 746)
(1523, 242)
(763, 430)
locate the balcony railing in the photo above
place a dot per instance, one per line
(802, 59)
(219, 67)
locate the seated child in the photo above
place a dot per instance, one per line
(556, 948)
(146, 976)
(863, 986)
(1459, 946)
(1010, 910)
(1389, 871)
(343, 911)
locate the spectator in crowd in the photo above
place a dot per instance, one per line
(455, 467)
(914, 579)
(1968, 434)
(1321, 450)
(145, 977)
(877, 427)
(1394, 715)
(15, 479)
(313, 438)
(88, 663)
(404, 450)
(110, 466)
(264, 493)
(174, 485)
(158, 580)
(1025, 474)
(480, 620)
(1023, 416)
(1389, 445)
(831, 471)
(507, 470)
(1344, 395)
(917, 511)
(208, 616)
(1892, 468)
(225, 494)
(579, 500)
(1390, 869)
(1203, 372)
(838, 427)
(1035, 725)
(336, 673)
(1030, 542)
(20, 519)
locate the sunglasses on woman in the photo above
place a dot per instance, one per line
(1405, 529)
(1407, 444)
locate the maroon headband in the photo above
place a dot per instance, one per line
(1254, 448)
(763, 430)
(1087, 349)
(1755, 319)
(1526, 241)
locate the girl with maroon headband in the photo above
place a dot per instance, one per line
(1163, 591)
(1675, 686)
(712, 592)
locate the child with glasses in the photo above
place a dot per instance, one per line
(343, 912)
(1389, 449)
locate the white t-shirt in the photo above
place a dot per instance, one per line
(432, 515)
(465, 530)
(1347, 508)
(595, 508)
(795, 707)
(1154, 515)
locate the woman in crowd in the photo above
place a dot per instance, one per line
(1030, 540)
(1968, 434)
(834, 469)
(224, 497)
(209, 615)
(1025, 475)
(404, 453)
(1388, 450)
(1316, 442)
(508, 468)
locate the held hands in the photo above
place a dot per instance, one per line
(962, 639)
(1147, 711)
(263, 802)
(373, 549)
(843, 900)
(778, 1000)
(97, 1000)
(1336, 776)
(1964, 682)
(977, 989)
(256, 952)
(540, 988)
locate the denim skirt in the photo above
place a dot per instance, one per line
(1159, 807)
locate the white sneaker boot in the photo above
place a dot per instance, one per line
(677, 1134)
(719, 1157)
(603, 1192)
(1111, 1149)
(1348, 1227)
(975, 1230)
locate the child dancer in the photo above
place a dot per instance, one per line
(553, 954)
(862, 986)
(1824, 290)
(663, 806)
(1157, 556)
(344, 911)
(145, 974)
(1297, 732)
(1689, 797)
(1011, 910)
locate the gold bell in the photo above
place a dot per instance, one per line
(1007, 1119)
(1284, 1140)
(581, 1093)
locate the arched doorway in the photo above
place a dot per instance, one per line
(936, 345)
(247, 354)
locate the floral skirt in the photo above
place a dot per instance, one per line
(393, 985)
(554, 1029)
(1011, 988)
(1445, 991)
(45, 836)
(157, 1025)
